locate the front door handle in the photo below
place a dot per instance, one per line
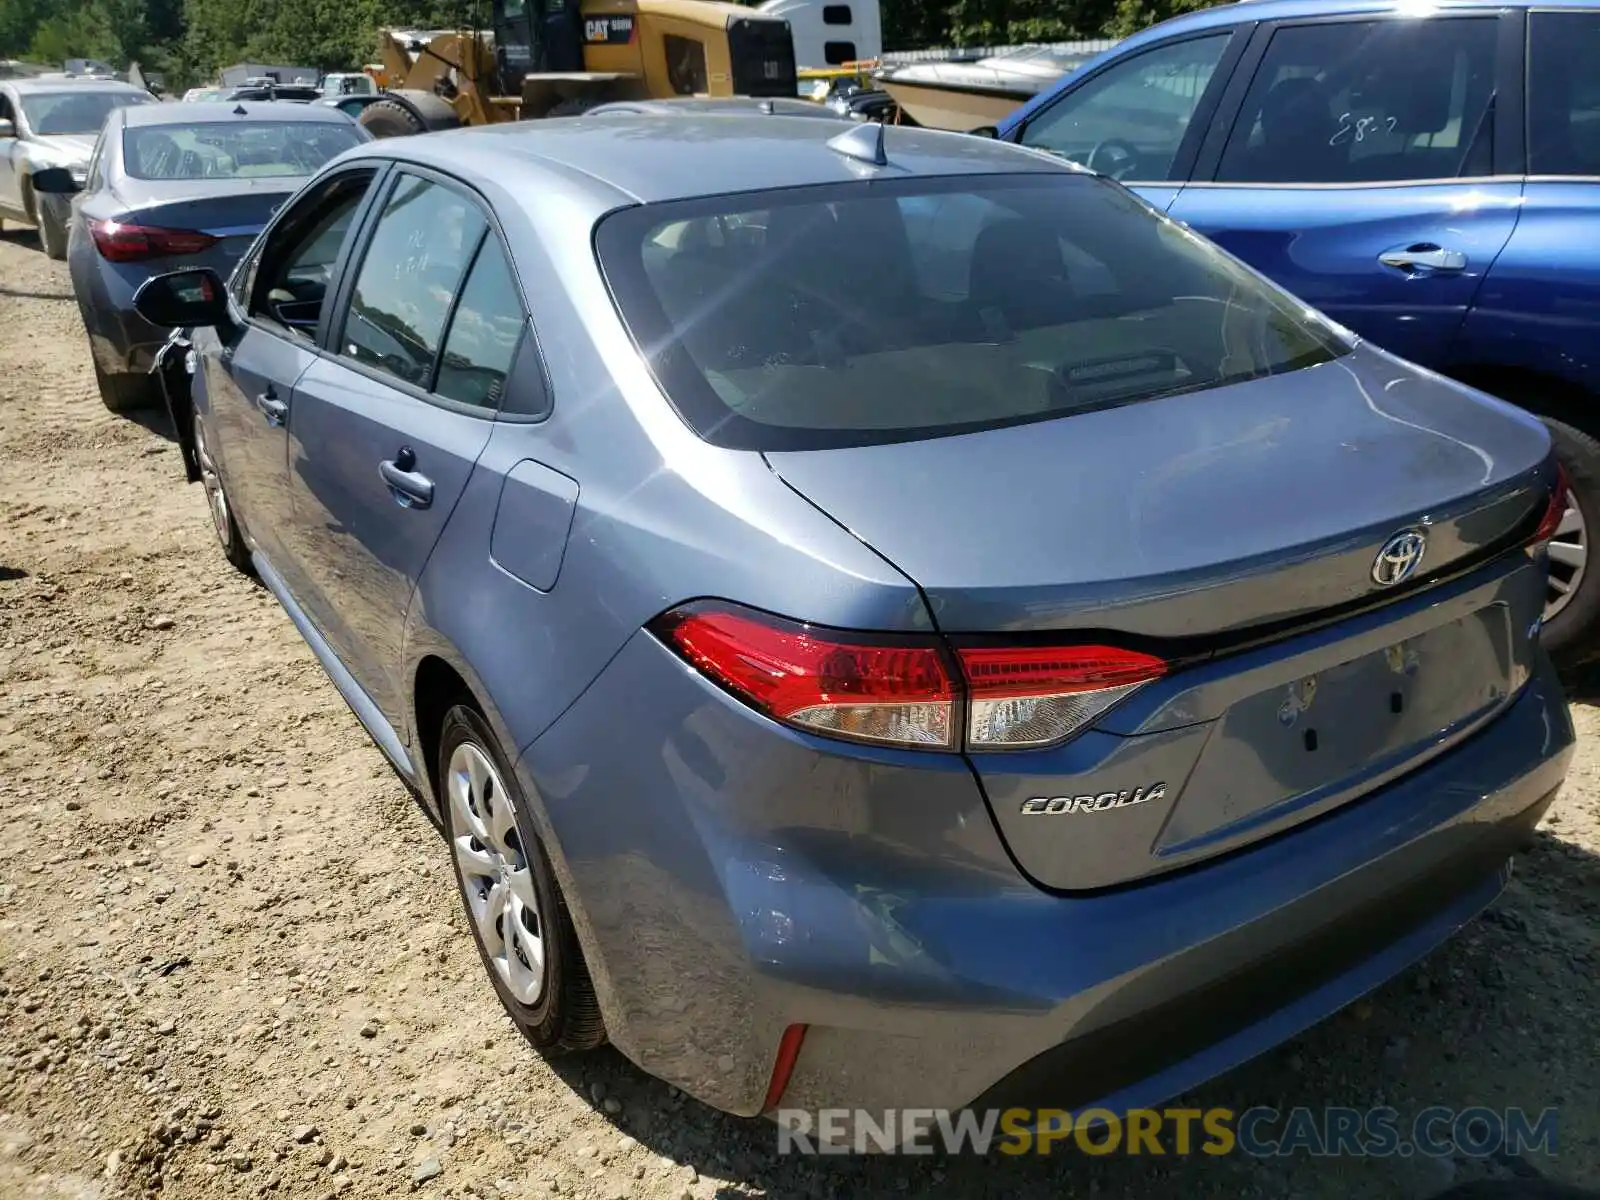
(1424, 256)
(409, 487)
(273, 409)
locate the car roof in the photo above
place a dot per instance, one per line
(83, 83)
(1277, 10)
(648, 159)
(196, 112)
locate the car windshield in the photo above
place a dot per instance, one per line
(53, 113)
(234, 150)
(888, 311)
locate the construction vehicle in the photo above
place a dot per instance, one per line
(549, 58)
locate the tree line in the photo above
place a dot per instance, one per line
(188, 41)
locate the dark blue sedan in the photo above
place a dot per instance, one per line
(178, 185)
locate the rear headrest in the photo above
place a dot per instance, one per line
(1015, 252)
(1293, 107)
(1417, 100)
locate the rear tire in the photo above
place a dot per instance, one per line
(52, 236)
(513, 905)
(126, 392)
(1572, 618)
(389, 118)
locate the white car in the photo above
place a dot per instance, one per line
(49, 122)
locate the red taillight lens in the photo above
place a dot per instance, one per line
(904, 691)
(1035, 696)
(117, 242)
(847, 685)
(1555, 511)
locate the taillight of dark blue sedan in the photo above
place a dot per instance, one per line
(882, 625)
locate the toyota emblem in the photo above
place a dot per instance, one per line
(1399, 558)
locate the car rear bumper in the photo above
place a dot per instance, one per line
(731, 878)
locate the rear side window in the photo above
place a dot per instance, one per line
(1368, 102)
(1564, 94)
(484, 333)
(855, 314)
(409, 278)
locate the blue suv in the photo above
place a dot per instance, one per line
(1427, 177)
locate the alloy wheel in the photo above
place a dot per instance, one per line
(1569, 558)
(495, 875)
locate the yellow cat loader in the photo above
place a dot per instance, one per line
(547, 58)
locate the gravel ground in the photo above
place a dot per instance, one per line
(232, 963)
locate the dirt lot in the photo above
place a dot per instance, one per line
(232, 962)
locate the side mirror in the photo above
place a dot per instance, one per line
(183, 298)
(55, 181)
(984, 131)
(7, 129)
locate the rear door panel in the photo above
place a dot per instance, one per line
(1327, 241)
(366, 429)
(359, 545)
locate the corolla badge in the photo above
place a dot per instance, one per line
(1050, 806)
(1399, 558)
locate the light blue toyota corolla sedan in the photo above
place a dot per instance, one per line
(887, 622)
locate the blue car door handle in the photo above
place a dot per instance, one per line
(409, 487)
(273, 409)
(1424, 256)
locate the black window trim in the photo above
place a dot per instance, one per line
(329, 344)
(241, 305)
(1206, 112)
(1508, 163)
(1525, 64)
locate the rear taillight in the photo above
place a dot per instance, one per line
(1555, 511)
(904, 691)
(847, 685)
(1037, 695)
(117, 242)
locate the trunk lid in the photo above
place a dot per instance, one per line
(234, 210)
(1193, 526)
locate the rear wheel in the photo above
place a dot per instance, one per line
(1572, 607)
(388, 118)
(518, 918)
(126, 392)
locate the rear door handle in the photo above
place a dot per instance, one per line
(409, 487)
(1424, 256)
(273, 409)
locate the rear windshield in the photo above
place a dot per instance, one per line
(52, 114)
(888, 311)
(234, 150)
